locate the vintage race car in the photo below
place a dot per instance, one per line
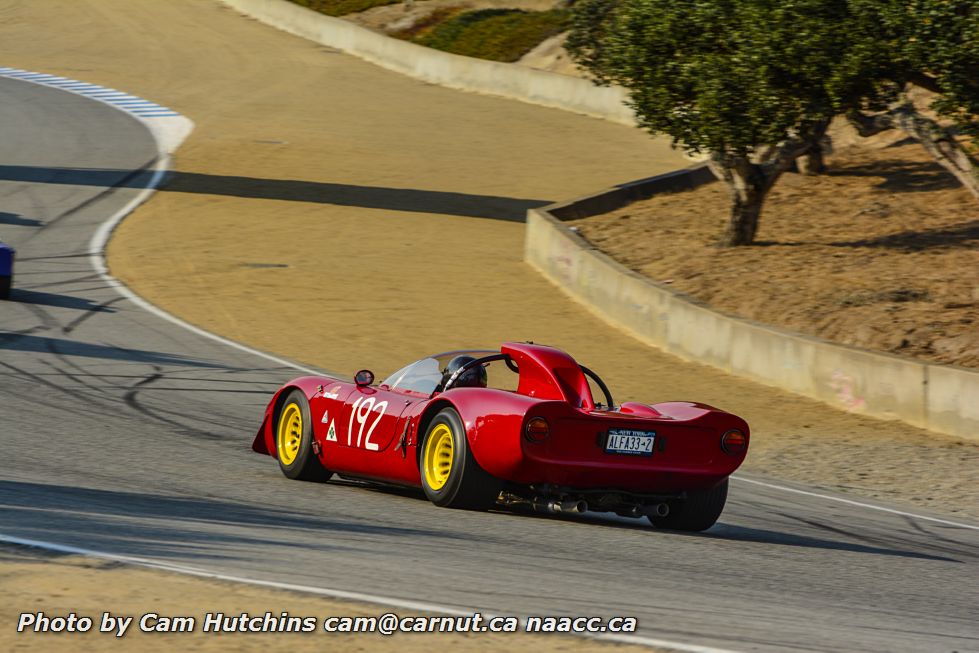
(6, 270)
(518, 426)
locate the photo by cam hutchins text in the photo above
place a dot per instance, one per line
(386, 624)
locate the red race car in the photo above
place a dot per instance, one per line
(518, 426)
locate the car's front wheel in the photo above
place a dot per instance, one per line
(450, 475)
(294, 440)
(698, 512)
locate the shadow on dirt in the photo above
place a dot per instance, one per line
(964, 236)
(902, 176)
(373, 197)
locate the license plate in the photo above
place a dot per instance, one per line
(627, 441)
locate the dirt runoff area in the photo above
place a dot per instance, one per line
(882, 252)
(56, 585)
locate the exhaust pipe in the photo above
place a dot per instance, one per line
(554, 506)
(658, 510)
(574, 505)
(632, 511)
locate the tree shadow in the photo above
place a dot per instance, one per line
(960, 236)
(907, 140)
(60, 301)
(373, 197)
(18, 220)
(902, 176)
(39, 344)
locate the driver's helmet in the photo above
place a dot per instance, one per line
(474, 377)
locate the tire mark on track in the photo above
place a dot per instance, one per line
(65, 282)
(869, 540)
(54, 386)
(66, 374)
(99, 308)
(47, 258)
(132, 400)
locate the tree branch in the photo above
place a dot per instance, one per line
(870, 125)
(925, 81)
(940, 143)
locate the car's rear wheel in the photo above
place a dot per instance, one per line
(698, 512)
(294, 440)
(5, 284)
(450, 475)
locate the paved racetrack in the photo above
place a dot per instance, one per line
(125, 433)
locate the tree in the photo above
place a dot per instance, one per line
(740, 80)
(931, 44)
(754, 83)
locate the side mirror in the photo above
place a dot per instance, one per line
(363, 378)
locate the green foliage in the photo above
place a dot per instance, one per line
(730, 76)
(497, 34)
(932, 43)
(342, 7)
(723, 76)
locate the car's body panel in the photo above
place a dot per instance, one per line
(376, 431)
(6, 270)
(6, 260)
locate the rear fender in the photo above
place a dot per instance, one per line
(705, 417)
(494, 421)
(700, 415)
(431, 410)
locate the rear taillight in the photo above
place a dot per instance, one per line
(537, 429)
(734, 442)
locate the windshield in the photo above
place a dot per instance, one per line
(424, 375)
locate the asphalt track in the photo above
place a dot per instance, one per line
(124, 433)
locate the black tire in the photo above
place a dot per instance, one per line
(467, 485)
(699, 512)
(294, 428)
(5, 283)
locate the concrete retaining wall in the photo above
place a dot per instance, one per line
(937, 397)
(451, 70)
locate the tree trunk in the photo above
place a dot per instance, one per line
(939, 142)
(743, 222)
(811, 162)
(749, 183)
(748, 187)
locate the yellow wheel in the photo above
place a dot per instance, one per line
(290, 434)
(450, 475)
(294, 440)
(438, 456)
